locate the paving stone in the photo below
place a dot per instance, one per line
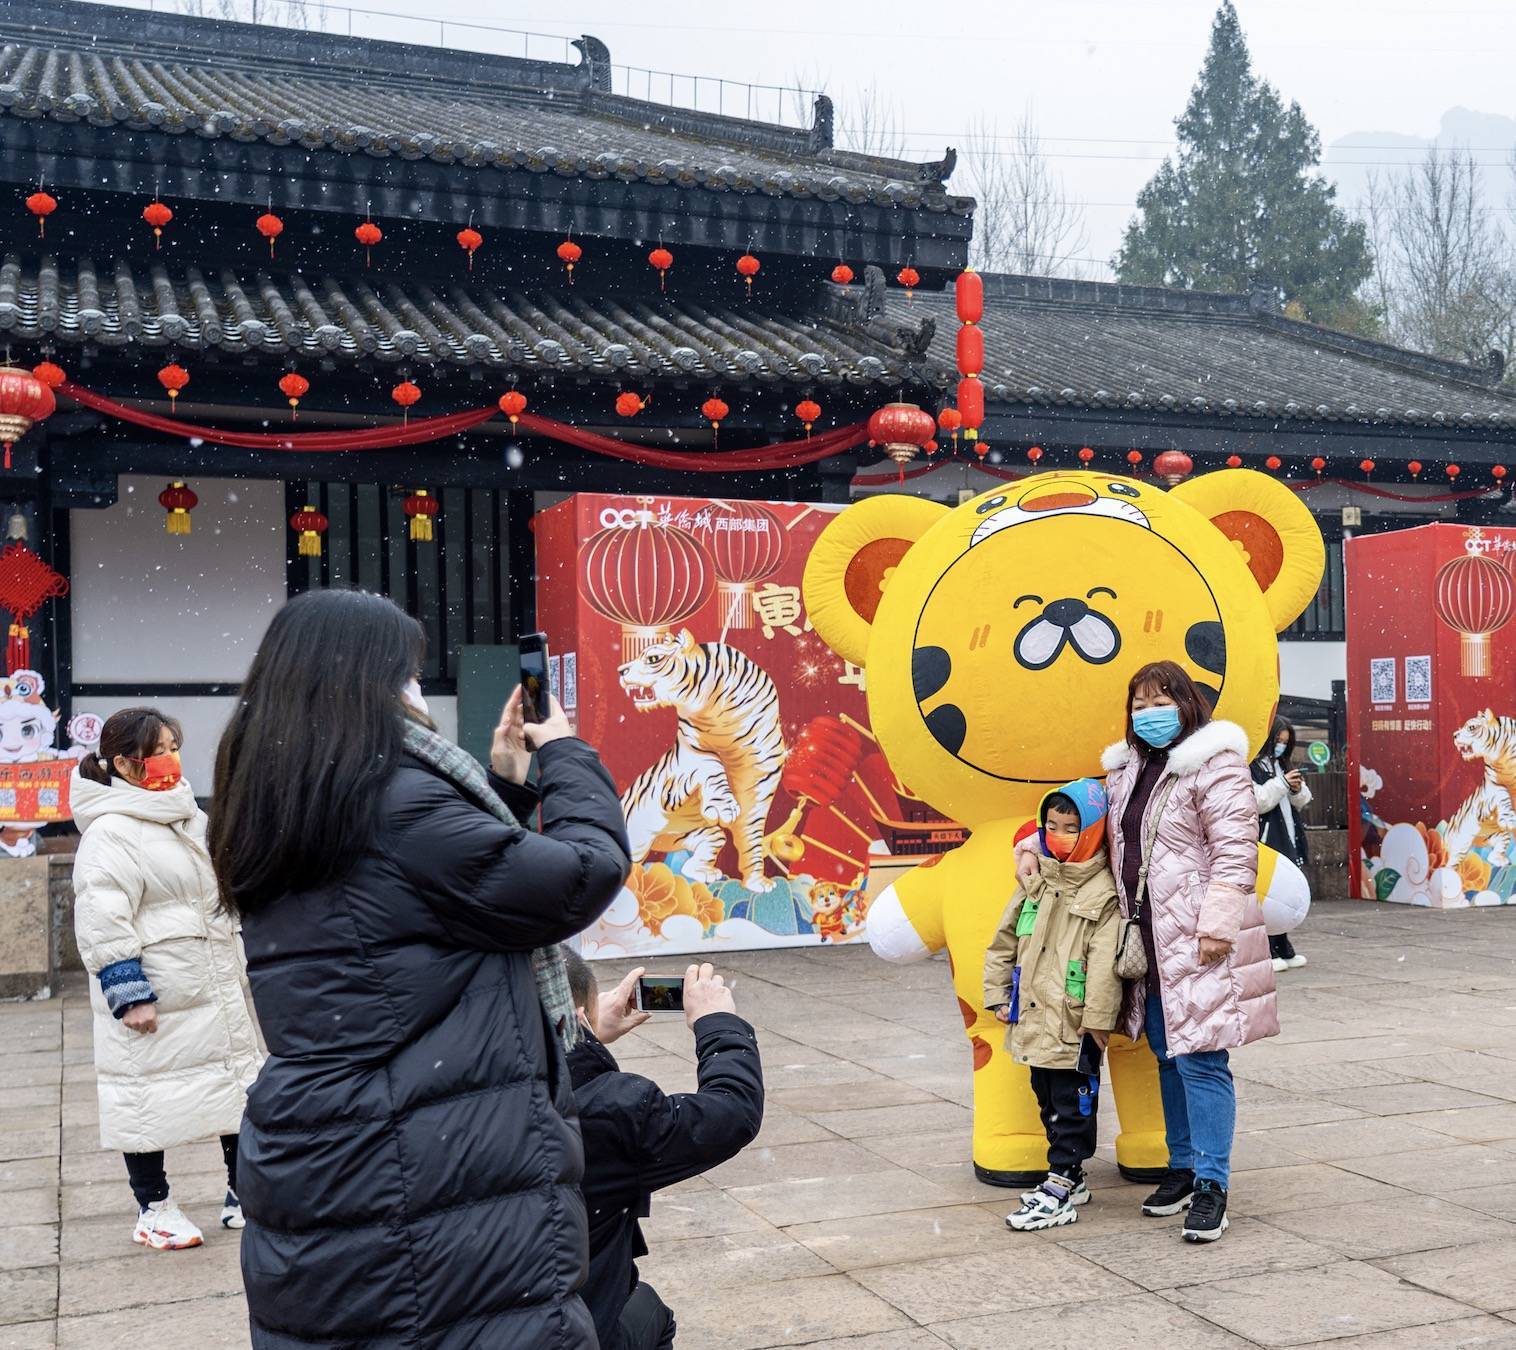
(1475, 1124)
(38, 1142)
(1439, 1171)
(897, 1121)
(911, 1235)
(25, 1174)
(1288, 1188)
(1497, 1201)
(709, 1213)
(878, 1192)
(1479, 1273)
(917, 1338)
(684, 1269)
(1336, 1139)
(1136, 1322)
(756, 1165)
(33, 1206)
(144, 1278)
(781, 1127)
(189, 1324)
(29, 1336)
(28, 1295)
(26, 1245)
(789, 1312)
(1404, 1223)
(1467, 1333)
(1404, 1099)
(873, 1092)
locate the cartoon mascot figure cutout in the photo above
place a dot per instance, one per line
(997, 639)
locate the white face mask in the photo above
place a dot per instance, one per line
(412, 695)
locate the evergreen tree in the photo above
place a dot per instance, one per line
(1239, 206)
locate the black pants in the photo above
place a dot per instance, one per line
(1067, 1099)
(646, 1322)
(149, 1182)
(1281, 948)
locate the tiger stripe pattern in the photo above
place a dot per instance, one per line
(1488, 815)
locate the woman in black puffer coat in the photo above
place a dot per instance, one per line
(410, 1157)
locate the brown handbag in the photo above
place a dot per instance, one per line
(1131, 955)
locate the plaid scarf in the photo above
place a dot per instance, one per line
(462, 770)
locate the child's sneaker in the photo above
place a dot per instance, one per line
(1051, 1205)
(231, 1212)
(1207, 1219)
(1172, 1195)
(1295, 961)
(1080, 1195)
(1280, 964)
(163, 1227)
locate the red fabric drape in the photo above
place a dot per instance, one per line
(788, 454)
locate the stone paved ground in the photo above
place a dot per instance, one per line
(1374, 1199)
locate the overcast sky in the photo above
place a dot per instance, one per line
(1104, 79)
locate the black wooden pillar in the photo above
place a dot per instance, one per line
(521, 561)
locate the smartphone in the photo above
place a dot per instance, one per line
(536, 688)
(660, 993)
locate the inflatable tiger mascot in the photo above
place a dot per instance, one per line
(723, 770)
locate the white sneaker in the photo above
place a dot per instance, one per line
(1051, 1205)
(1080, 1195)
(1281, 964)
(1296, 961)
(163, 1227)
(231, 1212)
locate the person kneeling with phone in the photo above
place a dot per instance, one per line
(639, 1139)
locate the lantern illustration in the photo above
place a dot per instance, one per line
(270, 227)
(178, 501)
(747, 267)
(469, 240)
(809, 413)
(368, 234)
(419, 508)
(842, 274)
(310, 525)
(157, 215)
(513, 404)
(1475, 596)
(568, 254)
(24, 401)
(661, 259)
(41, 205)
(647, 578)
(294, 387)
(902, 429)
(816, 771)
(1173, 466)
(747, 544)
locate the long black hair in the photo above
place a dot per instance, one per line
(315, 736)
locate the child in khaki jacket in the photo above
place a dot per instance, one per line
(1051, 974)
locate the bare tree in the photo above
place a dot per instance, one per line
(867, 119)
(301, 14)
(1444, 273)
(1026, 221)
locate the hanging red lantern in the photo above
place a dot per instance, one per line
(747, 545)
(949, 420)
(24, 401)
(469, 240)
(1475, 597)
(649, 578)
(173, 377)
(809, 413)
(1318, 464)
(568, 254)
(1415, 467)
(1134, 458)
(971, 406)
(714, 410)
(1234, 461)
(157, 215)
(968, 299)
(310, 525)
(1086, 454)
(968, 296)
(294, 387)
(513, 404)
(901, 429)
(368, 234)
(407, 395)
(1452, 472)
(661, 259)
(970, 350)
(1173, 466)
(1498, 473)
(41, 205)
(178, 501)
(748, 266)
(842, 274)
(1273, 463)
(910, 278)
(629, 405)
(1366, 467)
(931, 447)
(51, 374)
(270, 227)
(1035, 454)
(420, 507)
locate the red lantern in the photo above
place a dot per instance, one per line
(662, 259)
(1134, 458)
(842, 274)
(513, 404)
(310, 525)
(270, 227)
(294, 387)
(902, 429)
(971, 406)
(407, 395)
(1498, 473)
(568, 254)
(968, 296)
(748, 266)
(970, 350)
(809, 413)
(24, 401)
(931, 447)
(41, 205)
(469, 239)
(368, 234)
(948, 421)
(629, 405)
(1366, 467)
(178, 501)
(420, 507)
(1452, 472)
(1035, 454)
(1415, 467)
(157, 215)
(1086, 455)
(747, 544)
(714, 411)
(1234, 461)
(1173, 466)
(647, 578)
(1475, 596)
(173, 378)
(1273, 463)
(50, 374)
(910, 278)
(1318, 464)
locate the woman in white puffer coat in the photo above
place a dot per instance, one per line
(176, 1045)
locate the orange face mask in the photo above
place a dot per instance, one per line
(160, 772)
(1060, 845)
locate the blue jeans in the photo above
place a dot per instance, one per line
(1199, 1103)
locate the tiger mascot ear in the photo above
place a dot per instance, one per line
(851, 563)
(1271, 528)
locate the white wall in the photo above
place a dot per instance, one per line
(151, 607)
(1307, 669)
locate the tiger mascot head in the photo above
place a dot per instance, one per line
(666, 674)
(1488, 737)
(997, 637)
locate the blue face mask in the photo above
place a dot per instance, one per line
(1157, 726)
(1281, 750)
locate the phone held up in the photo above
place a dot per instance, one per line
(660, 993)
(536, 689)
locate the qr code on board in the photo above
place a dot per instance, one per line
(1382, 680)
(1418, 679)
(569, 693)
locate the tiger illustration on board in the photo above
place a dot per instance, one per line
(1488, 815)
(722, 772)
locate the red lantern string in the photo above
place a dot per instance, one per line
(469, 240)
(513, 404)
(41, 205)
(270, 227)
(661, 259)
(157, 215)
(368, 234)
(747, 267)
(294, 387)
(842, 274)
(568, 254)
(968, 301)
(809, 413)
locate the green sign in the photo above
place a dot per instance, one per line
(1319, 753)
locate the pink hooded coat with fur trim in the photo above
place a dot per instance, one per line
(1202, 876)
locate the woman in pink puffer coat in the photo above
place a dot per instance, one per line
(1210, 982)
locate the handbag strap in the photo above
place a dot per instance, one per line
(1149, 835)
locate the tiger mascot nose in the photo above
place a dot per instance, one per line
(1058, 497)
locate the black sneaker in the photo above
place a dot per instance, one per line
(1207, 1219)
(1172, 1195)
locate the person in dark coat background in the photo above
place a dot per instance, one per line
(410, 1159)
(1282, 794)
(638, 1139)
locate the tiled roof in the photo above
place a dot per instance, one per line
(1096, 345)
(179, 75)
(112, 304)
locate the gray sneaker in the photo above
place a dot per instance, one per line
(1051, 1205)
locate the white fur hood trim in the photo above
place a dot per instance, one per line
(1212, 739)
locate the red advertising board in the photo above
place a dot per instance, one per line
(760, 810)
(1432, 715)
